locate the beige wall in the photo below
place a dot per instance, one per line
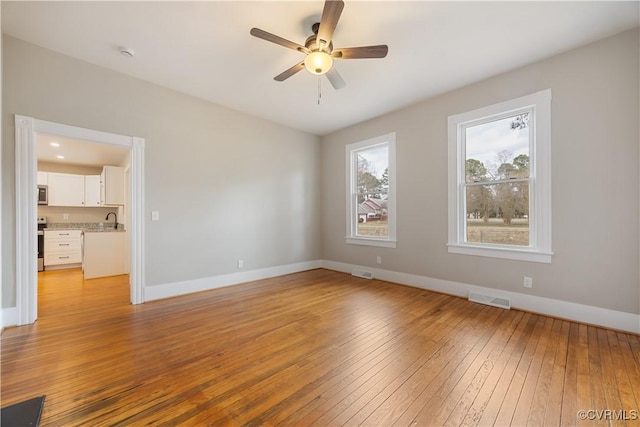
(228, 186)
(595, 182)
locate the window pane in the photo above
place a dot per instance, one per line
(498, 214)
(372, 218)
(498, 149)
(372, 185)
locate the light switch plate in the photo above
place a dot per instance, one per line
(155, 215)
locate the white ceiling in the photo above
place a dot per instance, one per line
(204, 48)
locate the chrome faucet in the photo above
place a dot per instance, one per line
(115, 224)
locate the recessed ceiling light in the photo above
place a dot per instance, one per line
(60, 157)
(54, 144)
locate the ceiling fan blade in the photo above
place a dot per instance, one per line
(264, 35)
(378, 51)
(335, 79)
(330, 16)
(288, 73)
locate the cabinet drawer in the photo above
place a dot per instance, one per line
(62, 258)
(62, 234)
(64, 245)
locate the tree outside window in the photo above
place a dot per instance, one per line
(496, 180)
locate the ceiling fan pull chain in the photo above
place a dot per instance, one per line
(319, 89)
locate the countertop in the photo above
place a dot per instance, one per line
(87, 227)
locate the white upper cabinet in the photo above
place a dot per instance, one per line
(43, 178)
(66, 189)
(92, 191)
(112, 186)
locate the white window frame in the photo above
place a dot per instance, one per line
(352, 202)
(539, 249)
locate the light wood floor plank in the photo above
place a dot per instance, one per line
(476, 376)
(569, 402)
(621, 379)
(491, 408)
(365, 413)
(598, 399)
(481, 402)
(516, 386)
(542, 393)
(436, 411)
(348, 395)
(631, 368)
(554, 403)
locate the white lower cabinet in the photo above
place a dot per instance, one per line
(62, 247)
(104, 254)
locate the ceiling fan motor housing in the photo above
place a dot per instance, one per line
(311, 44)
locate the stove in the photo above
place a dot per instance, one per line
(42, 224)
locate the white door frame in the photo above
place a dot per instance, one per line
(26, 207)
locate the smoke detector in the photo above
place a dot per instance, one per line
(129, 53)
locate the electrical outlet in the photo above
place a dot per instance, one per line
(65, 216)
(155, 216)
(528, 282)
(240, 263)
(379, 260)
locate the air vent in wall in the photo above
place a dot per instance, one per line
(363, 274)
(489, 300)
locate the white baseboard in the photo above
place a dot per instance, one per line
(9, 317)
(551, 307)
(168, 290)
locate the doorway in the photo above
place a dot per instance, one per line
(27, 131)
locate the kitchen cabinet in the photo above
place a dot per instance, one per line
(104, 254)
(92, 192)
(66, 189)
(62, 248)
(112, 186)
(43, 178)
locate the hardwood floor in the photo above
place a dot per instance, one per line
(313, 348)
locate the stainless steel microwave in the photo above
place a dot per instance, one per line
(43, 196)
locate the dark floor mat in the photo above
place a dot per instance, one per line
(22, 414)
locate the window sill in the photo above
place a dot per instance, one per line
(504, 253)
(370, 242)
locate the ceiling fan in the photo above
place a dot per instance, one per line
(318, 48)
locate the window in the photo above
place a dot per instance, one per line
(499, 180)
(371, 208)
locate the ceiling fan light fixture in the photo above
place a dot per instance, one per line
(318, 62)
